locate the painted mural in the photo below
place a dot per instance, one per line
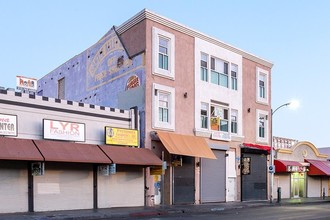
(99, 75)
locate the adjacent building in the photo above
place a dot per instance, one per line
(300, 169)
(62, 155)
(204, 106)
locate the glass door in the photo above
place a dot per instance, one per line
(298, 185)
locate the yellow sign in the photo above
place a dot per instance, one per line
(215, 122)
(156, 171)
(120, 136)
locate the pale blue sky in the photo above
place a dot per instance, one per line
(38, 36)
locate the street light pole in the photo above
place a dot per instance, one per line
(272, 152)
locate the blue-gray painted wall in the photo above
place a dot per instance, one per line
(96, 77)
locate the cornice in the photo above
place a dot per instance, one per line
(146, 14)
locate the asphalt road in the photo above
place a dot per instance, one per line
(301, 212)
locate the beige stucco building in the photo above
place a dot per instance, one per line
(300, 169)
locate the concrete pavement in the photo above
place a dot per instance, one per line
(126, 212)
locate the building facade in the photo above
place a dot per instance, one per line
(53, 155)
(190, 90)
(300, 169)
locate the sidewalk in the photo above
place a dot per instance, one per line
(126, 212)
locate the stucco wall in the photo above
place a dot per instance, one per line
(183, 82)
(249, 100)
(95, 76)
(207, 91)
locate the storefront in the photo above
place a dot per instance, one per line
(254, 172)
(53, 156)
(213, 175)
(182, 154)
(301, 171)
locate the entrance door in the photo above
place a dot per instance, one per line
(298, 185)
(184, 182)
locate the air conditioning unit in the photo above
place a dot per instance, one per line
(106, 170)
(38, 168)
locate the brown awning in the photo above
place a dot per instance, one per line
(60, 151)
(131, 156)
(18, 149)
(319, 167)
(186, 145)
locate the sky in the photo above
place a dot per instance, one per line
(37, 36)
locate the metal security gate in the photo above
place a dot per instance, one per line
(254, 176)
(213, 178)
(184, 182)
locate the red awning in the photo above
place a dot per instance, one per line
(257, 146)
(282, 166)
(318, 167)
(61, 151)
(19, 149)
(131, 156)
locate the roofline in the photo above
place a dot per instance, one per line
(146, 14)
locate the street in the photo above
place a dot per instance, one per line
(301, 212)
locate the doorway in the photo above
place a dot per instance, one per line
(298, 185)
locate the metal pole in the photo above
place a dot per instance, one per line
(271, 159)
(163, 181)
(272, 151)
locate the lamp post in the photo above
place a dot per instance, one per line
(294, 104)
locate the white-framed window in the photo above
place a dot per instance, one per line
(204, 67)
(219, 118)
(219, 72)
(234, 72)
(262, 89)
(262, 126)
(163, 52)
(234, 121)
(204, 115)
(163, 107)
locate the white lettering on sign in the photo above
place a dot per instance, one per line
(63, 130)
(218, 135)
(8, 125)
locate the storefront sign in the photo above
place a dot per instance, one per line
(120, 136)
(218, 135)
(25, 83)
(64, 130)
(296, 169)
(8, 125)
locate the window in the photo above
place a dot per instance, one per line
(163, 107)
(262, 126)
(219, 118)
(234, 115)
(262, 79)
(219, 72)
(61, 88)
(204, 62)
(163, 51)
(204, 115)
(262, 91)
(234, 70)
